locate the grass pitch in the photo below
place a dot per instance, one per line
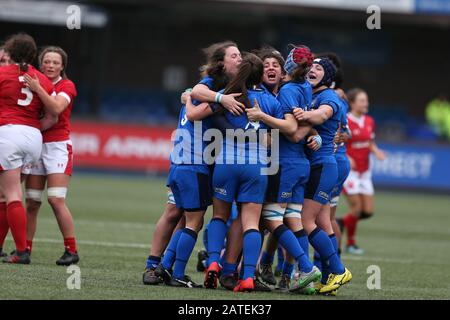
(409, 239)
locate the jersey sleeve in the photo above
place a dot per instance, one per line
(207, 81)
(288, 100)
(67, 90)
(330, 101)
(277, 109)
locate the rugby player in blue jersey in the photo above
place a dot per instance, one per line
(282, 210)
(222, 61)
(343, 164)
(238, 174)
(324, 116)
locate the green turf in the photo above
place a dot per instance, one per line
(114, 217)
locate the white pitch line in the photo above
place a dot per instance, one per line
(103, 224)
(377, 259)
(99, 243)
(147, 246)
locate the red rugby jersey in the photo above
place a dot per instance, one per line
(61, 130)
(18, 104)
(358, 147)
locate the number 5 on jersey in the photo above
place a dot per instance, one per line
(27, 92)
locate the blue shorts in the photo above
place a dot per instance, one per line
(322, 179)
(288, 185)
(240, 183)
(191, 186)
(343, 166)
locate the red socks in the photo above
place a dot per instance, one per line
(4, 227)
(17, 220)
(70, 245)
(350, 222)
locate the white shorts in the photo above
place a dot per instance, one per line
(56, 157)
(359, 183)
(20, 146)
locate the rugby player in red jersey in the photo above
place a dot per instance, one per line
(55, 164)
(20, 137)
(358, 186)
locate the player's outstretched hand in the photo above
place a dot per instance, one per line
(230, 103)
(255, 113)
(31, 82)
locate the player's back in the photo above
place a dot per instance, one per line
(18, 104)
(251, 144)
(293, 94)
(268, 104)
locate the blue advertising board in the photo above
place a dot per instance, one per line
(413, 167)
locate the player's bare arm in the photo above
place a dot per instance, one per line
(197, 113)
(55, 105)
(228, 101)
(287, 126)
(314, 117)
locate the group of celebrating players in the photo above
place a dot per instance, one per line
(299, 102)
(35, 146)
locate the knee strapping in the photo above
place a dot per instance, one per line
(57, 192)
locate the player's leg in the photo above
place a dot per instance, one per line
(250, 216)
(166, 235)
(274, 189)
(335, 226)
(317, 195)
(185, 246)
(324, 222)
(352, 188)
(11, 188)
(160, 269)
(4, 227)
(233, 252)
(267, 260)
(217, 232)
(367, 196)
(34, 188)
(164, 230)
(57, 185)
(225, 187)
(367, 207)
(350, 221)
(343, 173)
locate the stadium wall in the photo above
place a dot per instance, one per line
(136, 148)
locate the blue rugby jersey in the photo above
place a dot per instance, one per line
(328, 129)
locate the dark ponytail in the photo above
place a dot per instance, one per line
(249, 75)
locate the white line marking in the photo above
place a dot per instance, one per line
(377, 259)
(98, 243)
